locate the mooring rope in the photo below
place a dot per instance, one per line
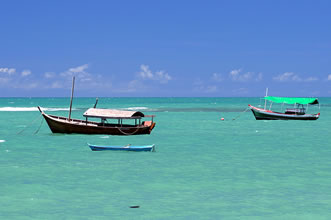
(36, 132)
(29, 124)
(128, 133)
(240, 114)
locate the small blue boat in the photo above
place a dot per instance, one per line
(123, 148)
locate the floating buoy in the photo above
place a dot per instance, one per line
(222, 119)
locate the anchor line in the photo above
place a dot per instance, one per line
(28, 125)
(39, 127)
(240, 114)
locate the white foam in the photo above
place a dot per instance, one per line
(104, 137)
(30, 109)
(56, 109)
(137, 108)
(1, 141)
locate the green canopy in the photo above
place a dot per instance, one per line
(288, 100)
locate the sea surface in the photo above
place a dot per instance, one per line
(203, 167)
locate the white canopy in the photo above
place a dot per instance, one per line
(112, 113)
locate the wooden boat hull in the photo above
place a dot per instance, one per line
(262, 114)
(122, 148)
(63, 125)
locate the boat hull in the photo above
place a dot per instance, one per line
(122, 148)
(74, 126)
(262, 114)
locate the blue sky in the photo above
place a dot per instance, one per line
(165, 48)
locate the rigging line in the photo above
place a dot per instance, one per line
(240, 114)
(29, 125)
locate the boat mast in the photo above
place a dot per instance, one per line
(96, 102)
(72, 94)
(265, 101)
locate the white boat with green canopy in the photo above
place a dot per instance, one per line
(298, 112)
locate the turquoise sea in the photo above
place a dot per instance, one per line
(203, 167)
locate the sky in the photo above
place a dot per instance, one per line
(165, 48)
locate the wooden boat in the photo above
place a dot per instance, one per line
(264, 114)
(65, 125)
(296, 113)
(123, 148)
(59, 124)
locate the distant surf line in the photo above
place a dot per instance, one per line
(30, 109)
(189, 109)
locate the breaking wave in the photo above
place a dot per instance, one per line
(30, 109)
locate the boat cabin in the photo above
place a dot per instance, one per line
(300, 110)
(118, 115)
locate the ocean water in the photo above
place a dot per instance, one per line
(203, 167)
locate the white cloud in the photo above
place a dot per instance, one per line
(211, 89)
(49, 75)
(162, 76)
(292, 77)
(4, 80)
(79, 69)
(311, 79)
(79, 72)
(259, 77)
(9, 71)
(287, 76)
(236, 75)
(329, 77)
(240, 91)
(31, 85)
(56, 85)
(51, 80)
(133, 85)
(27, 85)
(146, 73)
(201, 86)
(26, 73)
(217, 77)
